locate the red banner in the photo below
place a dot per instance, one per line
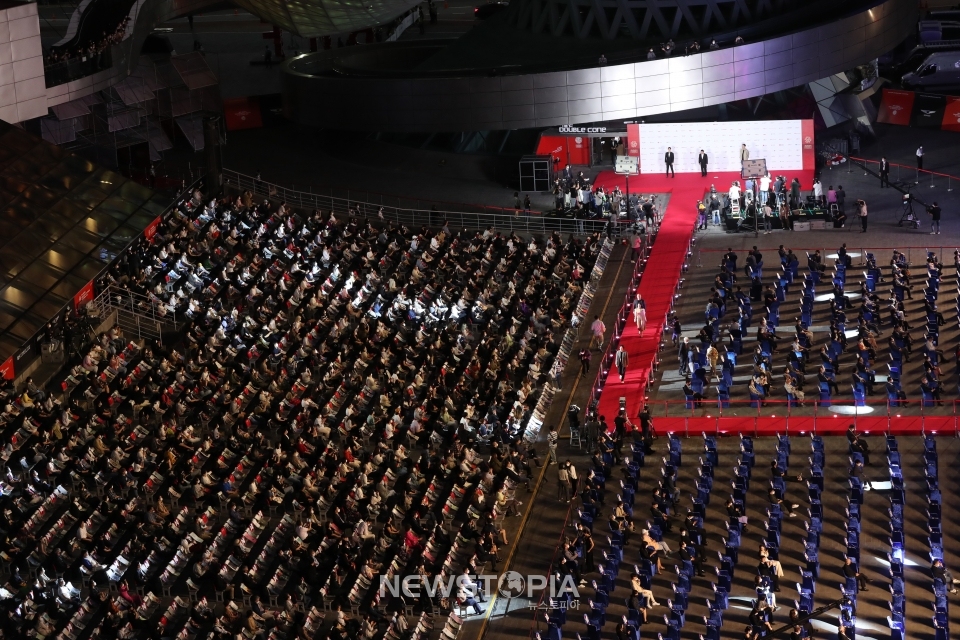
(151, 229)
(896, 107)
(83, 296)
(951, 114)
(809, 154)
(567, 149)
(633, 140)
(555, 146)
(578, 149)
(242, 113)
(6, 369)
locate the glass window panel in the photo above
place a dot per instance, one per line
(63, 257)
(41, 274)
(81, 240)
(69, 286)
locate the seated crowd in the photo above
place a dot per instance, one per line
(90, 49)
(319, 423)
(857, 323)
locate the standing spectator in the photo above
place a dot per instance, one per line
(767, 219)
(598, 329)
(831, 196)
(862, 214)
(668, 160)
(934, 211)
(683, 355)
(637, 246)
(622, 360)
(677, 328)
(702, 159)
(884, 172)
(712, 357)
(552, 437)
(919, 159)
(818, 192)
(572, 477)
(563, 483)
(841, 197)
(764, 188)
(795, 193)
(585, 356)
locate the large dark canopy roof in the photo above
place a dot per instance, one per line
(58, 212)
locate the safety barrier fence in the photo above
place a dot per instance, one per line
(712, 415)
(905, 172)
(414, 212)
(916, 255)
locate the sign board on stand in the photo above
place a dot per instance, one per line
(627, 166)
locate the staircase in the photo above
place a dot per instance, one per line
(138, 315)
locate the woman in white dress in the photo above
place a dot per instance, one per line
(640, 314)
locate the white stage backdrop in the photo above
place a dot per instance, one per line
(780, 142)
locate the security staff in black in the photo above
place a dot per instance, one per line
(884, 172)
(934, 211)
(668, 160)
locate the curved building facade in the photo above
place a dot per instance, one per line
(371, 88)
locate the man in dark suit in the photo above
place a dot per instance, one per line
(702, 159)
(668, 160)
(884, 172)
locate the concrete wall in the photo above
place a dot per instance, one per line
(22, 87)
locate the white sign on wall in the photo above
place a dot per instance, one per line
(778, 141)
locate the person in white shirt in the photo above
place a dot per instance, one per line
(764, 188)
(735, 193)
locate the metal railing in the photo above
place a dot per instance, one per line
(137, 314)
(415, 213)
(906, 173)
(916, 255)
(812, 416)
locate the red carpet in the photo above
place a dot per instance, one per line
(659, 282)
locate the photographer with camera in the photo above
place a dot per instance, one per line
(862, 214)
(934, 211)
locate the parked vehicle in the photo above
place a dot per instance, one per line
(939, 70)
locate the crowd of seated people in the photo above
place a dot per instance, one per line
(856, 327)
(88, 50)
(320, 423)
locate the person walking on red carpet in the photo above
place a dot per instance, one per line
(640, 314)
(622, 360)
